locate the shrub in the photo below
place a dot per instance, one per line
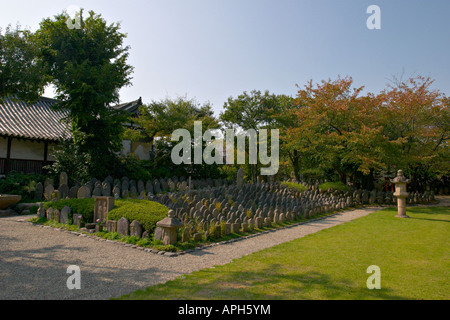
(339, 186)
(71, 159)
(85, 207)
(20, 184)
(295, 186)
(133, 168)
(146, 212)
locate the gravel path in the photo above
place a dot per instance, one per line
(34, 261)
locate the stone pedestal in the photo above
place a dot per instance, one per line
(401, 194)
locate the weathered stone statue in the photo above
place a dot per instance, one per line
(169, 228)
(240, 178)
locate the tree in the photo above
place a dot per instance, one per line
(157, 122)
(285, 120)
(250, 111)
(415, 118)
(162, 118)
(21, 74)
(336, 129)
(88, 66)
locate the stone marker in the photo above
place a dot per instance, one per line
(64, 216)
(218, 230)
(235, 228)
(136, 229)
(97, 192)
(63, 191)
(56, 215)
(259, 222)
(227, 229)
(106, 189)
(41, 211)
(83, 193)
(39, 191)
(198, 237)
(73, 192)
(102, 207)
(49, 190)
(186, 236)
(111, 226)
(48, 181)
(63, 179)
(49, 213)
(158, 234)
(123, 227)
(240, 178)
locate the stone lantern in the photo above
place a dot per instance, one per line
(169, 228)
(400, 193)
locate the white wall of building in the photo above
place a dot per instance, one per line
(32, 150)
(27, 150)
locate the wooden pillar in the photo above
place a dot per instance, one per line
(45, 156)
(8, 156)
(45, 151)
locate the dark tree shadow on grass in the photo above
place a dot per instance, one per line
(268, 284)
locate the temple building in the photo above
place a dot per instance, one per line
(28, 132)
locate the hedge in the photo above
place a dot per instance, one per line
(334, 186)
(146, 212)
(295, 186)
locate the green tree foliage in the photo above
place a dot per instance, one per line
(156, 123)
(416, 120)
(252, 111)
(337, 131)
(249, 110)
(70, 159)
(88, 66)
(21, 74)
(160, 119)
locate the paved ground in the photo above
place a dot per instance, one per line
(34, 261)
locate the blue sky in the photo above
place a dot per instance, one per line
(213, 49)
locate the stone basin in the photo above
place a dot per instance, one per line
(7, 201)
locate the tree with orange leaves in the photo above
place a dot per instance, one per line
(416, 120)
(335, 129)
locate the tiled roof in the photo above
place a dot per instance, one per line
(130, 107)
(39, 120)
(32, 121)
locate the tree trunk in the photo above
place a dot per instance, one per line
(294, 157)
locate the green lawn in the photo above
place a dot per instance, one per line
(413, 255)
